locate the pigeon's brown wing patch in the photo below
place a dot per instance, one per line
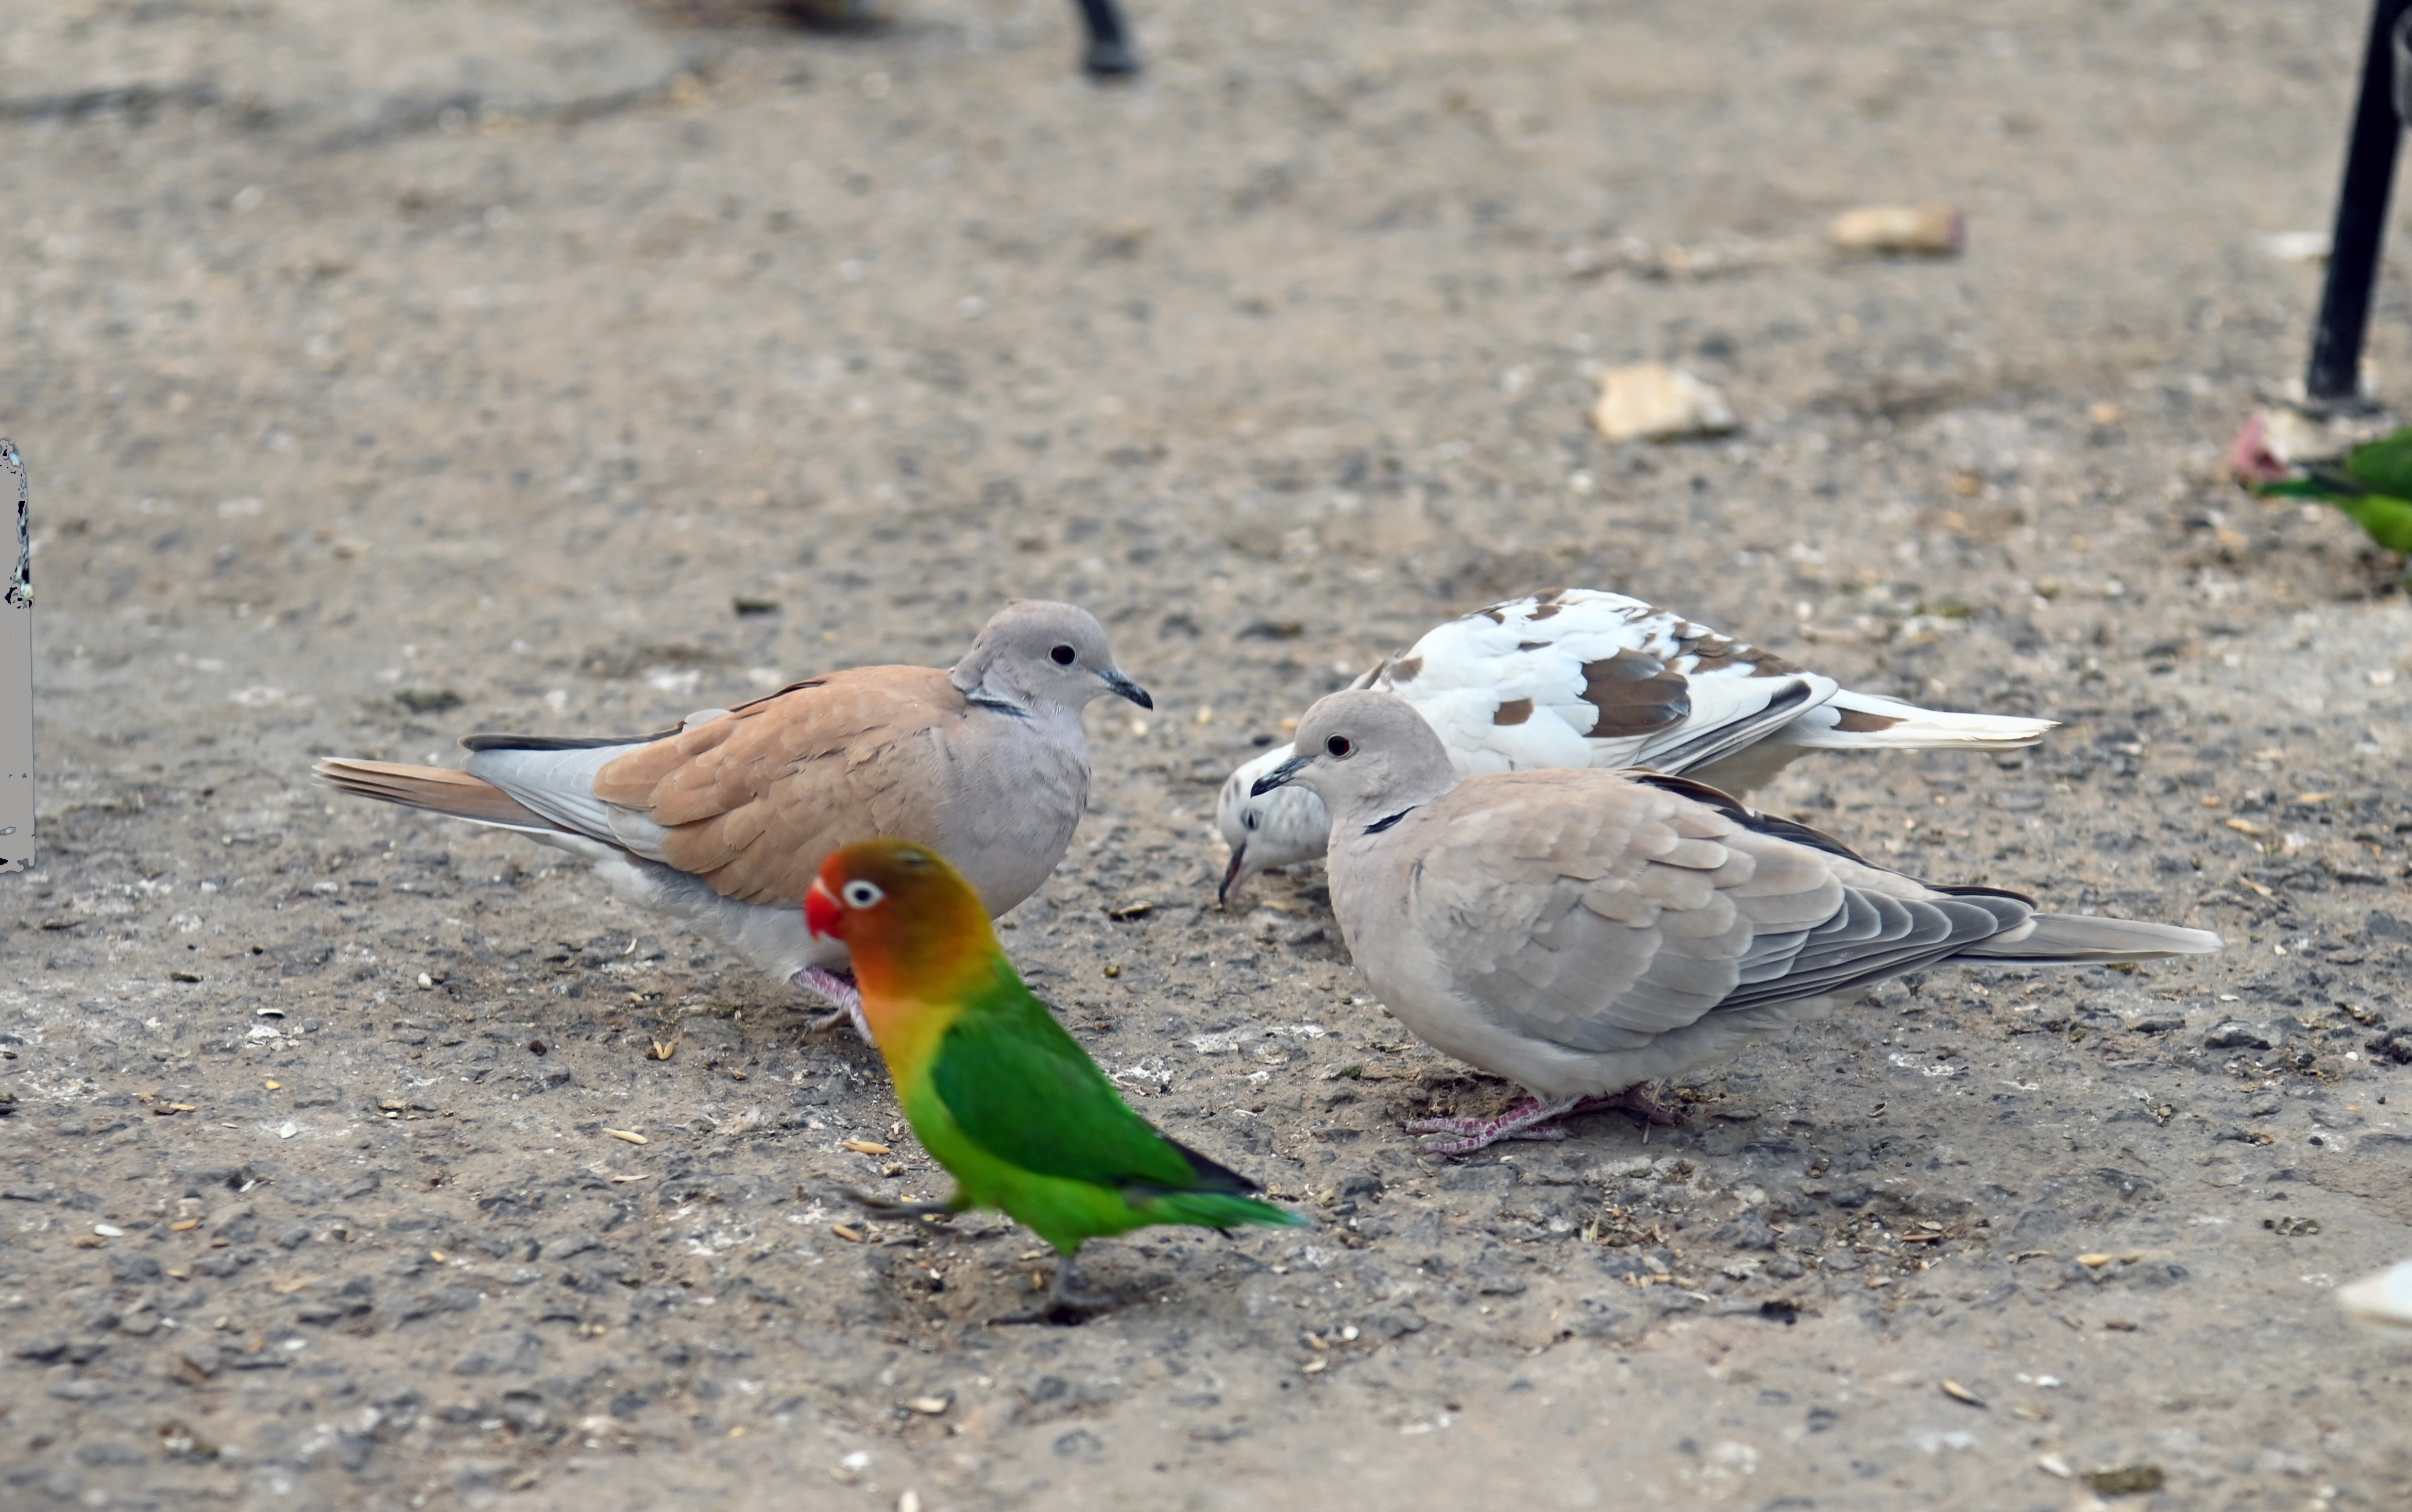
(754, 802)
(1636, 694)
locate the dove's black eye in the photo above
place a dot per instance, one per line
(1064, 655)
(1338, 745)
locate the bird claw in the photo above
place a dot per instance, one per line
(1066, 1312)
(1066, 1305)
(1532, 1119)
(839, 988)
(878, 1206)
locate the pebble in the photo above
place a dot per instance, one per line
(1653, 402)
(1900, 230)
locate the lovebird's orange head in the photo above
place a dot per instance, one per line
(915, 928)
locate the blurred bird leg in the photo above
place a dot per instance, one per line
(838, 987)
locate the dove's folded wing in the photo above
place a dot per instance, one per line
(753, 802)
(1597, 915)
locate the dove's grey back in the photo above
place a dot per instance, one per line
(1583, 931)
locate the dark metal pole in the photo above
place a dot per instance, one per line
(2334, 373)
(1110, 55)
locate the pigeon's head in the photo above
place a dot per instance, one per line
(1278, 828)
(1366, 754)
(1038, 653)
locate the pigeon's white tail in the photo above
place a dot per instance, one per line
(1864, 722)
(2081, 940)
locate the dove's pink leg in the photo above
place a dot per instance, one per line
(838, 987)
(1534, 1119)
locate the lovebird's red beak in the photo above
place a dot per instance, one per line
(822, 912)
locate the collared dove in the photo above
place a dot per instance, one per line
(1584, 933)
(723, 822)
(1574, 676)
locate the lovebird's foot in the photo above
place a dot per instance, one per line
(880, 1207)
(838, 987)
(1067, 1304)
(1534, 1119)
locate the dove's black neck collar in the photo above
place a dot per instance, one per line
(997, 703)
(1380, 825)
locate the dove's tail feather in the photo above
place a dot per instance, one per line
(2082, 940)
(439, 789)
(1864, 722)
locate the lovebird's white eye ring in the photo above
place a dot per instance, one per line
(860, 894)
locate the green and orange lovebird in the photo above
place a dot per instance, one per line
(2372, 483)
(997, 1091)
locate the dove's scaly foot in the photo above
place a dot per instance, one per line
(838, 987)
(1528, 1120)
(1534, 1119)
(1066, 1303)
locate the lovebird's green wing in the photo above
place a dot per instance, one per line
(2382, 467)
(2388, 520)
(1023, 1089)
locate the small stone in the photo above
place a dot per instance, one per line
(1899, 230)
(2125, 1480)
(2236, 1035)
(1653, 402)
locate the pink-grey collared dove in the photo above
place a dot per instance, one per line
(1584, 933)
(723, 822)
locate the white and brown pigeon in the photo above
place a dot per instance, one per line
(1585, 932)
(1576, 677)
(723, 822)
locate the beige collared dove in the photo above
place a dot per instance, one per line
(1585, 932)
(724, 822)
(1576, 677)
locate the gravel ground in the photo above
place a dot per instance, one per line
(392, 372)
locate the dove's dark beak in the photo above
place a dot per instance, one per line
(1233, 875)
(1128, 689)
(1280, 776)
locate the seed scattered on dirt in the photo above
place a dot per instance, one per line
(629, 1135)
(866, 1147)
(848, 1232)
(183, 1226)
(661, 1050)
(273, 1086)
(1960, 1393)
(2052, 1465)
(928, 1406)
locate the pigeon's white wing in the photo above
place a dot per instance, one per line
(1581, 678)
